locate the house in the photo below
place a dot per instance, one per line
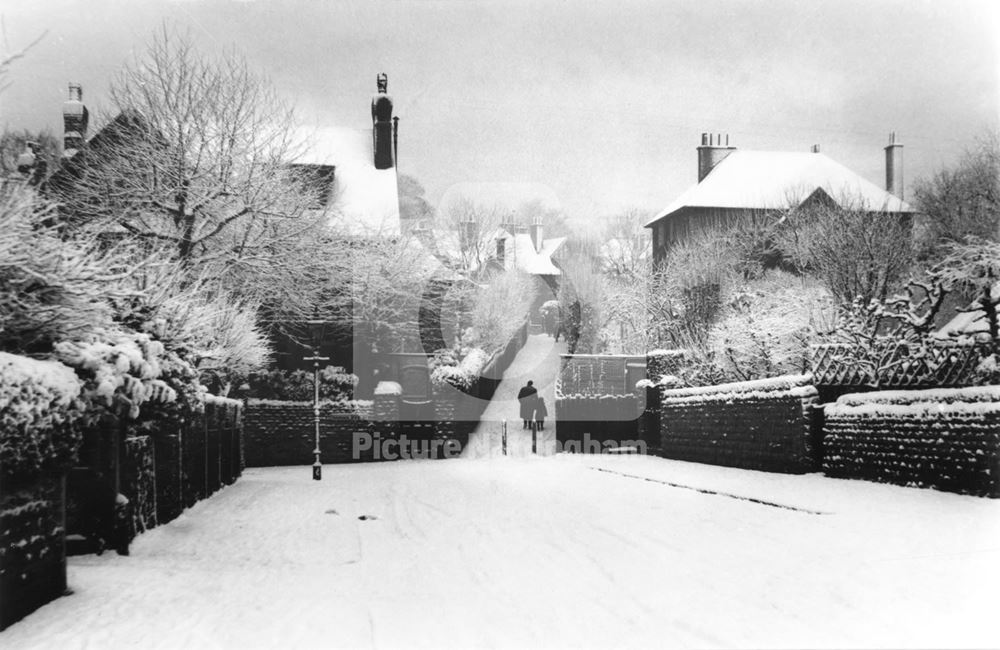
(732, 183)
(353, 171)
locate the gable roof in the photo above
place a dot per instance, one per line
(775, 180)
(365, 200)
(535, 262)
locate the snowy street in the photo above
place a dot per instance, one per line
(558, 551)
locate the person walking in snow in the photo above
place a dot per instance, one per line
(526, 396)
(540, 413)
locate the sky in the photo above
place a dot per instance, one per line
(593, 108)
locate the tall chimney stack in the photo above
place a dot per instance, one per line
(535, 230)
(711, 152)
(75, 120)
(383, 134)
(894, 166)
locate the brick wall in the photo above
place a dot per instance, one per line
(283, 433)
(947, 439)
(32, 546)
(763, 425)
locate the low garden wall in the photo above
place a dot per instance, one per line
(947, 439)
(283, 433)
(597, 404)
(764, 425)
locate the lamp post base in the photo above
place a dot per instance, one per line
(317, 471)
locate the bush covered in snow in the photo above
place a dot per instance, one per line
(766, 326)
(129, 369)
(40, 410)
(335, 384)
(462, 374)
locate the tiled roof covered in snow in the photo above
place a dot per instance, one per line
(770, 180)
(365, 200)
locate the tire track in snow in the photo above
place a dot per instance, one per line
(738, 497)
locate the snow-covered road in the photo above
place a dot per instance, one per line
(542, 552)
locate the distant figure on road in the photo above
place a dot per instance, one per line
(540, 413)
(526, 396)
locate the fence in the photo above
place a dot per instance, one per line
(895, 364)
(170, 466)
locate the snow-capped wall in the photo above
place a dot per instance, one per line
(283, 433)
(766, 424)
(946, 438)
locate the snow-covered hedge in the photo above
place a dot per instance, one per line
(40, 406)
(948, 439)
(793, 385)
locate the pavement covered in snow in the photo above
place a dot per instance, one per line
(585, 551)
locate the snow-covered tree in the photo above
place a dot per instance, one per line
(195, 162)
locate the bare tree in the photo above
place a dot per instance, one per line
(477, 227)
(857, 253)
(625, 248)
(197, 160)
(964, 200)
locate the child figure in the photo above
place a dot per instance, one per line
(540, 413)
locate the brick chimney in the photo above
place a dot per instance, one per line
(536, 232)
(894, 166)
(75, 120)
(711, 152)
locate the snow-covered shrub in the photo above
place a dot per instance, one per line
(213, 329)
(388, 388)
(128, 367)
(335, 384)
(461, 375)
(499, 309)
(51, 288)
(767, 325)
(40, 408)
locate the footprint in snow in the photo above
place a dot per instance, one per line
(367, 517)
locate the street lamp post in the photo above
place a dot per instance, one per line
(317, 468)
